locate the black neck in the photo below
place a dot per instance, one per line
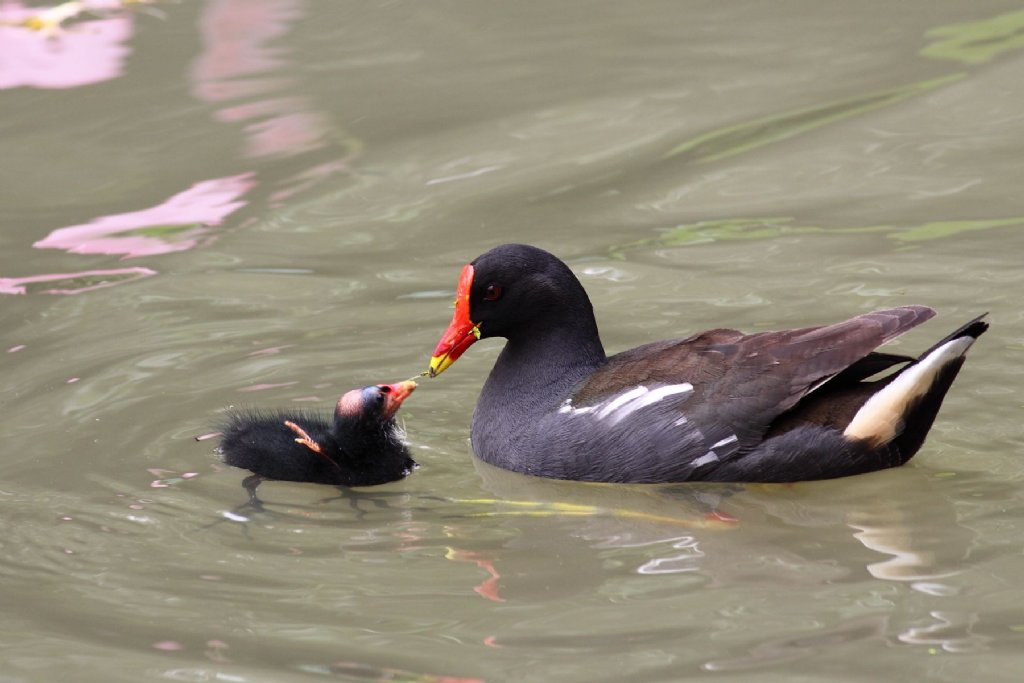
(545, 359)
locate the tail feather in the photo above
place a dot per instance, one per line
(901, 413)
(974, 329)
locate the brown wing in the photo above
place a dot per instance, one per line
(743, 382)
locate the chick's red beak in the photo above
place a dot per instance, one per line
(461, 333)
(394, 394)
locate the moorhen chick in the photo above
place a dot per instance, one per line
(720, 405)
(361, 446)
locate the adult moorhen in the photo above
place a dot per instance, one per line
(361, 446)
(721, 405)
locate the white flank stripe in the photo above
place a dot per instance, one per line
(642, 400)
(880, 419)
(656, 395)
(705, 459)
(568, 408)
(622, 399)
(726, 440)
(628, 402)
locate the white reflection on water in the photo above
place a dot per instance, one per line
(906, 562)
(950, 631)
(687, 561)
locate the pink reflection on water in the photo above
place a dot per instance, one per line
(270, 350)
(44, 55)
(242, 69)
(309, 178)
(265, 387)
(176, 225)
(238, 56)
(17, 285)
(235, 34)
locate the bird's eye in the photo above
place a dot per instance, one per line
(493, 292)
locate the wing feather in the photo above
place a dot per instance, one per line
(741, 382)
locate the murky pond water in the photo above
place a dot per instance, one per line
(267, 202)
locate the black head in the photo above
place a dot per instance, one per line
(516, 286)
(518, 292)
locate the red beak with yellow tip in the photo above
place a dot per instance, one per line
(461, 333)
(394, 394)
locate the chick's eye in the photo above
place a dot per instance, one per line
(493, 292)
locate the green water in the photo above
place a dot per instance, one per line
(266, 203)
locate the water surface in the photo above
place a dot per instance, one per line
(266, 203)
